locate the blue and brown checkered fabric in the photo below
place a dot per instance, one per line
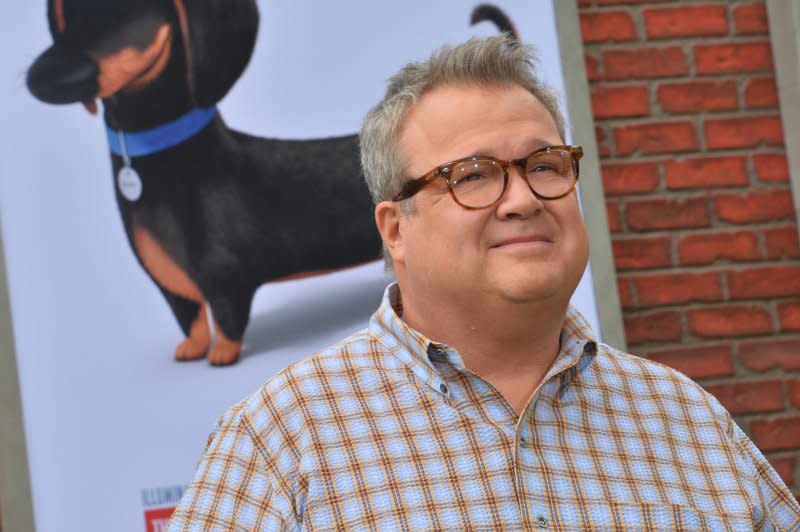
(390, 431)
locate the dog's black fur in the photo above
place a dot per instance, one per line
(231, 210)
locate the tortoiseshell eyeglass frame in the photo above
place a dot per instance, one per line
(444, 171)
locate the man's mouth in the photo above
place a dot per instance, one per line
(522, 241)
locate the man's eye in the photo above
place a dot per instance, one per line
(469, 178)
(543, 168)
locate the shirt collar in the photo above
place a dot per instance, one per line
(409, 346)
(414, 349)
(577, 339)
(578, 348)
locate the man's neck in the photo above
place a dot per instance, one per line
(509, 344)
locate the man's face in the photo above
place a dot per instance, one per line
(522, 249)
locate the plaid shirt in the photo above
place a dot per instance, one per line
(390, 431)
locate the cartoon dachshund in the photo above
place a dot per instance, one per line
(210, 213)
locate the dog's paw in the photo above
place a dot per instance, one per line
(190, 350)
(224, 352)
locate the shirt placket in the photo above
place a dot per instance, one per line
(529, 475)
(494, 408)
(530, 471)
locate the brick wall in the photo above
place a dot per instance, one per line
(699, 203)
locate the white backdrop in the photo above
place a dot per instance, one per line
(108, 414)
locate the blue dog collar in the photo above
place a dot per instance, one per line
(162, 137)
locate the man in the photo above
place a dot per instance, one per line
(477, 398)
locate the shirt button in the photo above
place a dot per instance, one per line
(590, 347)
(541, 522)
(443, 388)
(523, 443)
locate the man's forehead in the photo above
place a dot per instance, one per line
(447, 97)
(471, 119)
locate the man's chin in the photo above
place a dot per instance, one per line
(535, 290)
(537, 279)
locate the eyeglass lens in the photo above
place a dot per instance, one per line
(480, 182)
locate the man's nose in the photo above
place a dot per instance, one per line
(519, 201)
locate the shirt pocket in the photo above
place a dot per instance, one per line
(645, 516)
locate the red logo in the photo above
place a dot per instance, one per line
(157, 519)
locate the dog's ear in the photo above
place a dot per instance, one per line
(219, 37)
(55, 17)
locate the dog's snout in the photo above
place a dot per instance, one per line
(61, 76)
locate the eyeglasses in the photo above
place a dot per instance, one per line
(479, 182)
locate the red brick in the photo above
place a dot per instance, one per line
(789, 316)
(793, 392)
(770, 354)
(677, 288)
(653, 327)
(625, 294)
(782, 242)
(592, 68)
(650, 215)
(697, 361)
(784, 466)
(706, 172)
(771, 167)
(754, 207)
(707, 248)
(629, 178)
(645, 63)
(614, 217)
(697, 96)
(750, 18)
(759, 283)
(603, 148)
(602, 26)
(731, 320)
(776, 434)
(617, 102)
(743, 132)
(686, 21)
(749, 397)
(656, 137)
(732, 58)
(760, 93)
(641, 253)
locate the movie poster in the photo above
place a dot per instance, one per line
(118, 238)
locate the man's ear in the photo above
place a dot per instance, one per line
(390, 221)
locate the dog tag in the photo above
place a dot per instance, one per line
(129, 183)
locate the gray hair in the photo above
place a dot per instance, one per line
(496, 60)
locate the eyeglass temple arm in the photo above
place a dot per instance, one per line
(412, 187)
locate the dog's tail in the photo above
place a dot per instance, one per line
(495, 15)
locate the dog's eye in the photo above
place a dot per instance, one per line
(106, 30)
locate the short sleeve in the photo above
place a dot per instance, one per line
(781, 509)
(233, 487)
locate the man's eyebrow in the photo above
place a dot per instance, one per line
(532, 145)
